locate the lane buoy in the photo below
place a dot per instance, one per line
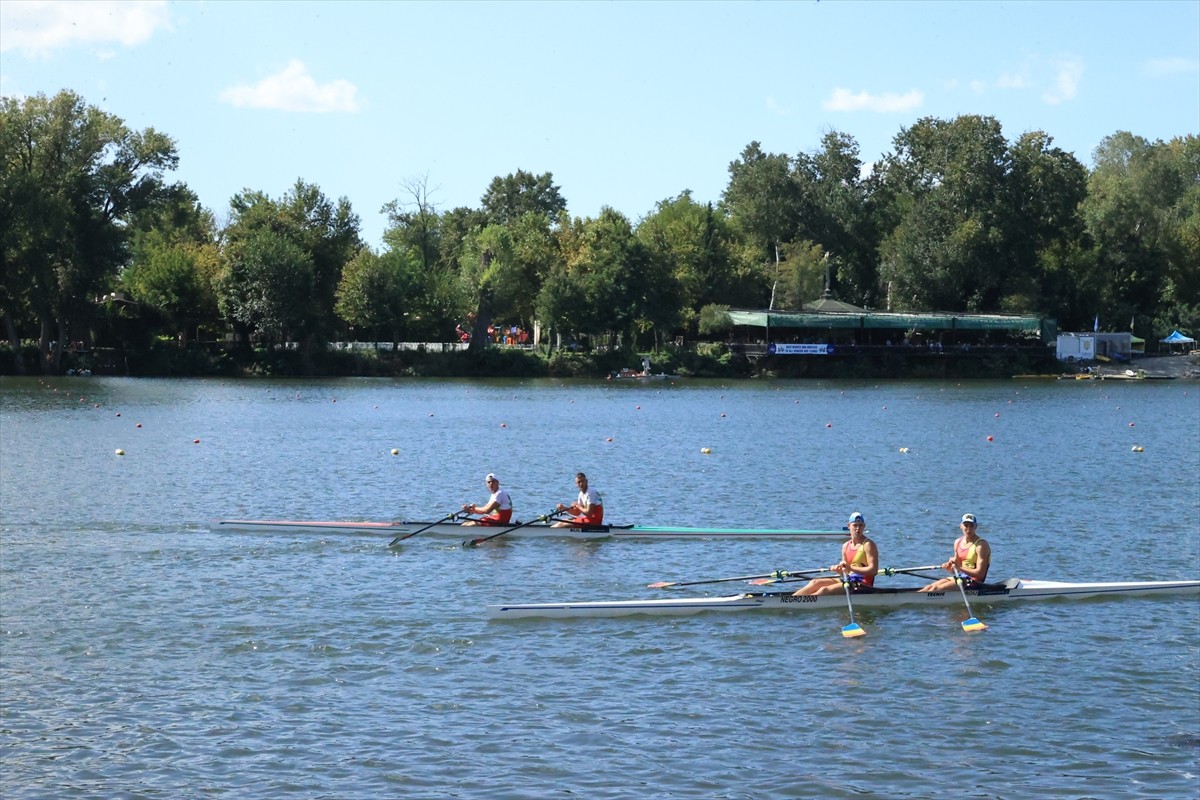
(706, 450)
(120, 452)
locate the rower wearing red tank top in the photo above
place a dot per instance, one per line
(971, 559)
(859, 564)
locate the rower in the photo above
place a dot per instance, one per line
(588, 508)
(858, 567)
(971, 558)
(498, 509)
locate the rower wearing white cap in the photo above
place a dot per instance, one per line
(498, 509)
(859, 564)
(971, 558)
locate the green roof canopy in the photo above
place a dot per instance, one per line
(888, 320)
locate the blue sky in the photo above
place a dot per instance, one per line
(626, 103)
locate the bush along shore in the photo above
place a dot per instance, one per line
(703, 360)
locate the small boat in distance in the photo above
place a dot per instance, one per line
(628, 374)
(533, 530)
(625, 373)
(1011, 590)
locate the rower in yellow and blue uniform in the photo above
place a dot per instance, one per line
(971, 559)
(859, 564)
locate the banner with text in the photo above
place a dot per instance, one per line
(782, 349)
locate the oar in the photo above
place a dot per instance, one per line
(671, 584)
(474, 542)
(908, 570)
(404, 536)
(971, 623)
(853, 629)
(788, 577)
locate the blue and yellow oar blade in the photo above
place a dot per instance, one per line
(972, 624)
(852, 630)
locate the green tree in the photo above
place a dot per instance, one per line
(948, 250)
(73, 175)
(176, 279)
(509, 198)
(692, 243)
(1043, 227)
(326, 236)
(175, 261)
(414, 224)
(493, 276)
(1142, 213)
(837, 203)
(268, 284)
(606, 278)
(375, 293)
(1133, 186)
(763, 203)
(1182, 238)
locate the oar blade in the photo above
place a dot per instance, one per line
(852, 630)
(764, 581)
(659, 585)
(971, 625)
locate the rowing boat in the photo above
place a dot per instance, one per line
(533, 530)
(1013, 589)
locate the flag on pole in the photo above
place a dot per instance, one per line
(1096, 324)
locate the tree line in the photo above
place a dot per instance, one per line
(99, 247)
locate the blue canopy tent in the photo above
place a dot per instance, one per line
(1177, 338)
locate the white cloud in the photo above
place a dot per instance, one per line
(1170, 66)
(293, 89)
(1065, 84)
(775, 108)
(36, 28)
(1012, 80)
(846, 100)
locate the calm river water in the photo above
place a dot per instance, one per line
(143, 656)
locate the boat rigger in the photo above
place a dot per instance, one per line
(1014, 589)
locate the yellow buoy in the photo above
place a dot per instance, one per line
(395, 452)
(706, 450)
(120, 452)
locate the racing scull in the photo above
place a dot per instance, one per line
(1011, 590)
(533, 530)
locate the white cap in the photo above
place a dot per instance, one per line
(490, 477)
(969, 518)
(857, 517)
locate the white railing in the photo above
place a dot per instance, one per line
(435, 347)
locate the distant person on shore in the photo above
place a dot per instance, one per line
(859, 564)
(498, 509)
(971, 558)
(588, 508)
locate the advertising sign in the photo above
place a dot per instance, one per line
(783, 349)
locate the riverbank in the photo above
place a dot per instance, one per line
(703, 360)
